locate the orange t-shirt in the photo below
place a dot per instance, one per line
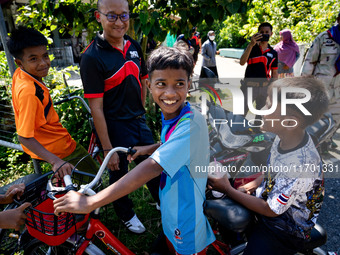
(36, 117)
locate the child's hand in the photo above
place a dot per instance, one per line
(250, 187)
(72, 202)
(220, 184)
(14, 218)
(255, 39)
(142, 150)
(113, 163)
(16, 189)
(246, 189)
(65, 168)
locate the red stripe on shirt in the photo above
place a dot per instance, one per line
(87, 47)
(97, 95)
(285, 196)
(281, 201)
(129, 68)
(261, 59)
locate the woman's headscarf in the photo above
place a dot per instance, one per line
(287, 48)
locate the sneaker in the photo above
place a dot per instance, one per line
(134, 225)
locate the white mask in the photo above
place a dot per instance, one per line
(211, 37)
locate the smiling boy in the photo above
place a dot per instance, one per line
(40, 132)
(184, 145)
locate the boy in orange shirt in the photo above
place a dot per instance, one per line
(41, 134)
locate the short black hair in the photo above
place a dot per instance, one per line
(265, 24)
(317, 105)
(174, 58)
(23, 38)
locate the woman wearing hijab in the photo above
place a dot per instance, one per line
(288, 52)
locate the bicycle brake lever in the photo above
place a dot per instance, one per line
(131, 151)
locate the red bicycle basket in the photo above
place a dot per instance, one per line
(41, 222)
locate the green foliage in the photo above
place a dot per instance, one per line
(73, 116)
(306, 19)
(67, 16)
(13, 165)
(156, 17)
(4, 69)
(153, 117)
(153, 18)
(229, 35)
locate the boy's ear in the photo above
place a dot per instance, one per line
(18, 62)
(189, 83)
(148, 84)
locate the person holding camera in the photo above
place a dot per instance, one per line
(262, 66)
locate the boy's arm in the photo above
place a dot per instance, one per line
(77, 203)
(97, 111)
(144, 91)
(33, 145)
(274, 74)
(245, 56)
(312, 57)
(253, 203)
(204, 52)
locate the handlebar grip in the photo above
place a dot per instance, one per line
(131, 151)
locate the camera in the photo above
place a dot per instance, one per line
(265, 38)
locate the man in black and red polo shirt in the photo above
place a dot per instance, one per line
(262, 66)
(113, 73)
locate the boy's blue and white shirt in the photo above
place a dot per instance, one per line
(182, 190)
(297, 193)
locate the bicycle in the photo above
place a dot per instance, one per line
(49, 229)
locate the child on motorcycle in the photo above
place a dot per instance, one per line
(184, 145)
(288, 200)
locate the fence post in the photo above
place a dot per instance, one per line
(3, 35)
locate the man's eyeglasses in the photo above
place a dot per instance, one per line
(113, 17)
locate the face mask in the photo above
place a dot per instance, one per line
(211, 37)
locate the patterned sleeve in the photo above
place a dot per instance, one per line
(283, 194)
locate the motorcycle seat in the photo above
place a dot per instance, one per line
(318, 128)
(228, 213)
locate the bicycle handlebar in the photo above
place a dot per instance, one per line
(87, 188)
(70, 97)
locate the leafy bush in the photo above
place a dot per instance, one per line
(306, 19)
(230, 33)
